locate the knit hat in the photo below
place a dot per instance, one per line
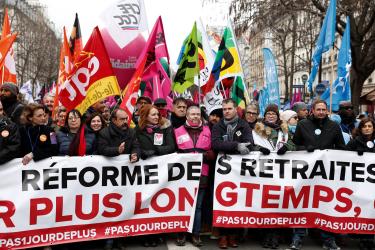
(217, 112)
(273, 108)
(297, 106)
(160, 101)
(287, 114)
(11, 87)
(147, 99)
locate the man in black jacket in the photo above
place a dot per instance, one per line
(317, 132)
(9, 139)
(118, 138)
(231, 135)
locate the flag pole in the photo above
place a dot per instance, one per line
(2, 75)
(247, 96)
(222, 86)
(331, 82)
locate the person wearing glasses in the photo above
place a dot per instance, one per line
(272, 134)
(66, 134)
(348, 117)
(118, 138)
(251, 114)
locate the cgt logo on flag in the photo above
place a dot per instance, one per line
(92, 78)
(81, 78)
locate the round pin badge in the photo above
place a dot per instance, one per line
(5, 133)
(318, 131)
(43, 138)
(370, 144)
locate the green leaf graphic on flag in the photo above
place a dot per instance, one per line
(189, 65)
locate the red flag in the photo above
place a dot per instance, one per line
(8, 70)
(66, 61)
(92, 78)
(5, 45)
(75, 40)
(131, 91)
(66, 65)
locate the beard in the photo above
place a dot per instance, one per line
(8, 100)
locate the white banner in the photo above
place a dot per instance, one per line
(125, 20)
(331, 190)
(68, 199)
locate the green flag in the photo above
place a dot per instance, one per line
(238, 92)
(189, 65)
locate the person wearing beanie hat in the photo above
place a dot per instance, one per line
(301, 109)
(11, 87)
(214, 117)
(161, 105)
(290, 117)
(271, 134)
(12, 107)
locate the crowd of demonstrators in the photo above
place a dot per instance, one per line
(31, 133)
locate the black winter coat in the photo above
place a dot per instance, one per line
(10, 141)
(360, 144)
(147, 141)
(111, 137)
(307, 130)
(242, 133)
(40, 140)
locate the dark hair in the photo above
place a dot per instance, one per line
(92, 116)
(318, 102)
(75, 113)
(358, 131)
(114, 113)
(144, 111)
(74, 144)
(230, 100)
(178, 100)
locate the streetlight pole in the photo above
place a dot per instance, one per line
(304, 78)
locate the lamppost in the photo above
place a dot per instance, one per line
(304, 78)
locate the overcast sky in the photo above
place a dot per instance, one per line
(178, 17)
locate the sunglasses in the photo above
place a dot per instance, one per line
(347, 107)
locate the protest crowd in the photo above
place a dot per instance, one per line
(205, 110)
(32, 133)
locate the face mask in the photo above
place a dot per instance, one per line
(292, 128)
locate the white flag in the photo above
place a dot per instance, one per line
(27, 91)
(125, 20)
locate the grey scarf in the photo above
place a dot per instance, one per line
(231, 126)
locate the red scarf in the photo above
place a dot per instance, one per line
(82, 142)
